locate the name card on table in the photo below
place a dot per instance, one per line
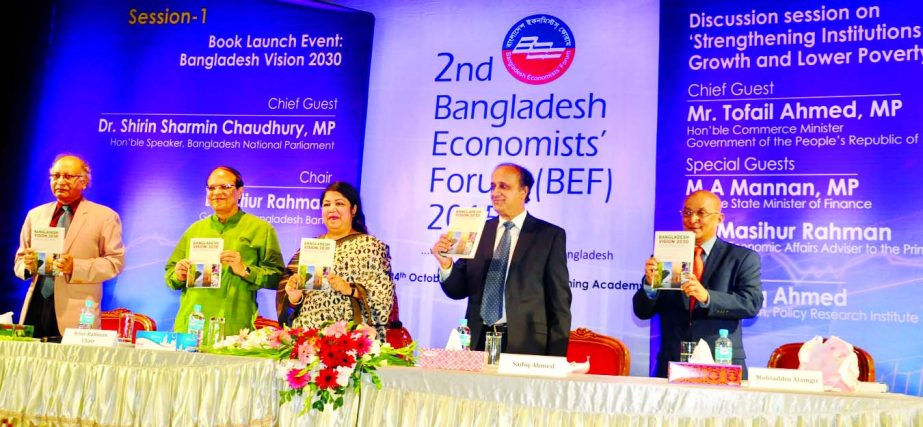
(527, 364)
(164, 340)
(92, 337)
(786, 379)
(701, 373)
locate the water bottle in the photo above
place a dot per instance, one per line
(87, 314)
(464, 334)
(197, 323)
(724, 349)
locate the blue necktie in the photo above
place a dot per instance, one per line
(48, 280)
(492, 302)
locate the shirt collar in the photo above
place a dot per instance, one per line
(708, 244)
(517, 220)
(72, 205)
(233, 219)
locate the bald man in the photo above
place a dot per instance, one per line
(93, 251)
(729, 290)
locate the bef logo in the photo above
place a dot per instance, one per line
(538, 49)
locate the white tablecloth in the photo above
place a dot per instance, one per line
(51, 384)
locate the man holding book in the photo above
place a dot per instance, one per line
(724, 288)
(517, 282)
(249, 255)
(92, 251)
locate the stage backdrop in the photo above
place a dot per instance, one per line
(802, 117)
(805, 118)
(567, 89)
(155, 96)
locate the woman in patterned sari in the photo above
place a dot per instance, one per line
(360, 287)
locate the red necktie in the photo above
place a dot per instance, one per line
(698, 267)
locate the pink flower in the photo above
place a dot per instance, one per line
(278, 338)
(298, 378)
(369, 331)
(361, 344)
(336, 329)
(304, 352)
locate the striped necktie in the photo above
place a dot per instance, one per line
(492, 302)
(64, 221)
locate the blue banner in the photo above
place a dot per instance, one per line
(804, 118)
(156, 96)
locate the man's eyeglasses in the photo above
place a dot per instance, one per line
(701, 213)
(219, 187)
(64, 176)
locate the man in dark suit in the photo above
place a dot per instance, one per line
(517, 282)
(729, 289)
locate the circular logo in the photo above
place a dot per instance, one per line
(538, 49)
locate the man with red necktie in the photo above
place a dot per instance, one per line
(93, 251)
(724, 288)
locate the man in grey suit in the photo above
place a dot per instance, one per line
(517, 282)
(93, 251)
(729, 289)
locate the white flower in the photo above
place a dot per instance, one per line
(343, 374)
(282, 370)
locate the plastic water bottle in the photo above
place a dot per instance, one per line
(724, 349)
(197, 323)
(87, 314)
(464, 334)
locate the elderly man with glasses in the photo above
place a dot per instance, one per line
(724, 288)
(251, 259)
(92, 253)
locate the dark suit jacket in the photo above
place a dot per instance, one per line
(732, 277)
(537, 291)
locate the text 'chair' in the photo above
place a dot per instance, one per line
(608, 355)
(786, 356)
(109, 321)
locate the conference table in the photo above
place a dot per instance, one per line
(54, 384)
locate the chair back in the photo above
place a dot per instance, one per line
(262, 322)
(109, 320)
(786, 356)
(397, 335)
(608, 355)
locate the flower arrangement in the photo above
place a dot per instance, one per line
(323, 362)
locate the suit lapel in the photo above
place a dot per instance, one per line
(713, 260)
(80, 217)
(486, 247)
(526, 237)
(44, 219)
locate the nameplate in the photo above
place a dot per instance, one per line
(93, 337)
(701, 373)
(164, 340)
(528, 364)
(785, 379)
